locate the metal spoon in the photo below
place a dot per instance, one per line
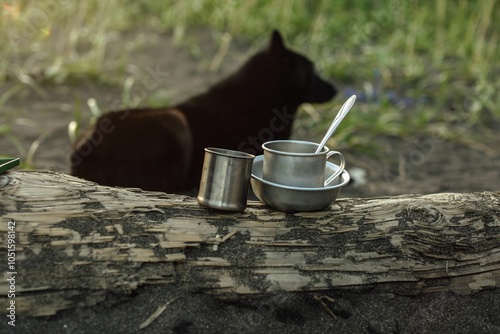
(340, 116)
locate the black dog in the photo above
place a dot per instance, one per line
(163, 149)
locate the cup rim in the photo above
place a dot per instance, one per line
(299, 154)
(229, 153)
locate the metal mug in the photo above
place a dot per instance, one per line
(225, 179)
(295, 163)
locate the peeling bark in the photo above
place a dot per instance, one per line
(77, 241)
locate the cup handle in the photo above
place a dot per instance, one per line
(341, 167)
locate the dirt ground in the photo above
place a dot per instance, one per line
(408, 165)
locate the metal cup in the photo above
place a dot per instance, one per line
(225, 179)
(295, 163)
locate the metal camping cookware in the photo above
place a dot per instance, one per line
(293, 199)
(225, 179)
(295, 163)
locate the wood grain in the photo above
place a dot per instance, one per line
(76, 241)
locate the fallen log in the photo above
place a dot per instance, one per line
(76, 241)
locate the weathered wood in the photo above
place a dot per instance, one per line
(76, 241)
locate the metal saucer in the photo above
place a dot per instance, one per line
(294, 199)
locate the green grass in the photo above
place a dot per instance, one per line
(440, 55)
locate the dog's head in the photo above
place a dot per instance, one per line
(298, 75)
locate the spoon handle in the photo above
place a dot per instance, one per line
(336, 122)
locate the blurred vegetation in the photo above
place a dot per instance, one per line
(416, 66)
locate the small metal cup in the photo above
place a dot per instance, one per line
(225, 179)
(295, 163)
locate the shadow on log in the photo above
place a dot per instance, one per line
(76, 241)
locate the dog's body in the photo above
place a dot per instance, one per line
(163, 149)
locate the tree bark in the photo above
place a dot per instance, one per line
(76, 241)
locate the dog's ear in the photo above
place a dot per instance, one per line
(276, 46)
